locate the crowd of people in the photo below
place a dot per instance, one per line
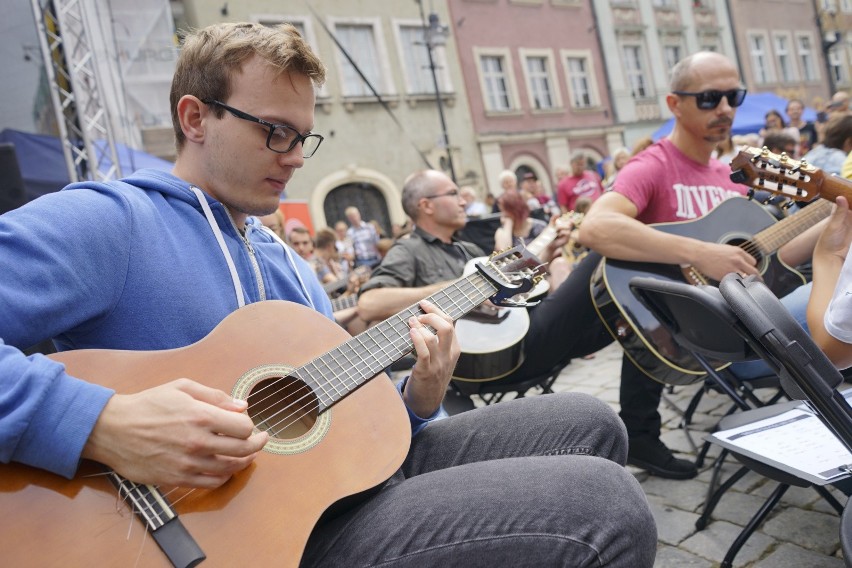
(550, 484)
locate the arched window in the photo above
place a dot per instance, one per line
(366, 197)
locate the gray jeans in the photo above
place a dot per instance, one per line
(536, 481)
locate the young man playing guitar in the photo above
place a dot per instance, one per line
(156, 261)
(676, 179)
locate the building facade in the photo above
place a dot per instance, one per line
(780, 49)
(371, 142)
(535, 83)
(642, 40)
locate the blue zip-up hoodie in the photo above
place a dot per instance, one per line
(131, 264)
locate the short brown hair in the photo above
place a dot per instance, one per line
(837, 131)
(210, 56)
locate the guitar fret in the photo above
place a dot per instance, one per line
(323, 369)
(321, 382)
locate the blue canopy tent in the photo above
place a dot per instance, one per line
(750, 116)
(42, 162)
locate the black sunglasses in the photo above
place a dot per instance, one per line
(707, 100)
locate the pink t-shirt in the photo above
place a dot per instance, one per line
(571, 188)
(665, 185)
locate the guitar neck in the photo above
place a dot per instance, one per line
(832, 186)
(547, 236)
(775, 236)
(340, 371)
(344, 302)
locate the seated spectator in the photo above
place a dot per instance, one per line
(836, 145)
(778, 142)
(364, 238)
(343, 245)
(776, 123)
(474, 207)
(581, 183)
(275, 222)
(619, 158)
(327, 259)
(516, 225)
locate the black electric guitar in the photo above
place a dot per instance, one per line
(491, 337)
(333, 433)
(735, 221)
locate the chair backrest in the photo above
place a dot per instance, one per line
(697, 317)
(806, 373)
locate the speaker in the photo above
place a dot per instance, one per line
(12, 193)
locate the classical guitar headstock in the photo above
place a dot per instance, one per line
(761, 169)
(513, 271)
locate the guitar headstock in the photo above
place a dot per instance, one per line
(513, 271)
(761, 169)
(570, 219)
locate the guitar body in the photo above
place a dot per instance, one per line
(264, 515)
(645, 341)
(491, 348)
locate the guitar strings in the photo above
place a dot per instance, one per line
(401, 342)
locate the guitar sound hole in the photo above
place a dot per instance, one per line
(750, 248)
(284, 407)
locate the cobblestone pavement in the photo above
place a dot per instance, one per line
(801, 532)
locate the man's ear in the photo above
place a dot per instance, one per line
(191, 113)
(673, 101)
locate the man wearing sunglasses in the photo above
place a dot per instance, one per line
(676, 179)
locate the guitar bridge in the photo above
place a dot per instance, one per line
(161, 521)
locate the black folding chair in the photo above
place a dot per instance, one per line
(701, 321)
(491, 392)
(806, 373)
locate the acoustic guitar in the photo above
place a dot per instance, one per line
(761, 169)
(491, 337)
(334, 433)
(736, 221)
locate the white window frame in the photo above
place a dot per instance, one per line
(809, 73)
(550, 69)
(509, 73)
(846, 6)
(765, 55)
(792, 60)
(644, 71)
(307, 24)
(839, 65)
(387, 86)
(591, 77)
(710, 43)
(671, 45)
(439, 55)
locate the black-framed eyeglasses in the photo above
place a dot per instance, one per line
(707, 100)
(281, 138)
(451, 193)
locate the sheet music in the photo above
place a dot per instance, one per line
(796, 439)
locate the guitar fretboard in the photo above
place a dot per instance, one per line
(775, 236)
(340, 371)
